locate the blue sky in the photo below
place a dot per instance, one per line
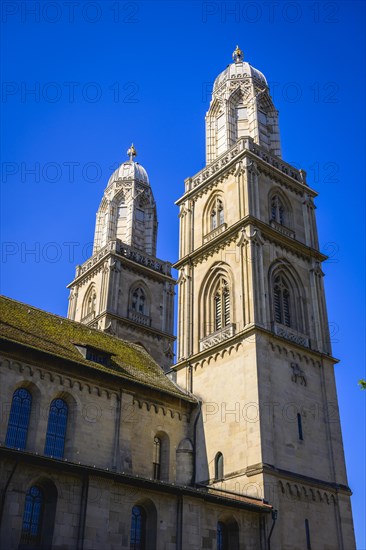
(80, 83)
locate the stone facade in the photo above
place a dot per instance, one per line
(108, 464)
(253, 335)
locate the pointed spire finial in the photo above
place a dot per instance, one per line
(132, 151)
(238, 55)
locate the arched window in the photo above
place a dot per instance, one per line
(222, 305)
(277, 210)
(138, 301)
(281, 298)
(221, 536)
(217, 214)
(56, 429)
(90, 303)
(32, 518)
(157, 457)
(219, 466)
(16, 435)
(138, 529)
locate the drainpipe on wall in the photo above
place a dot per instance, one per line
(274, 519)
(179, 527)
(82, 514)
(195, 441)
(117, 430)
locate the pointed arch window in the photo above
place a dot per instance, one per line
(157, 457)
(282, 299)
(277, 210)
(138, 528)
(16, 435)
(138, 302)
(222, 305)
(90, 304)
(56, 429)
(217, 214)
(219, 466)
(32, 518)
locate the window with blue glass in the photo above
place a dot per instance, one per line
(221, 536)
(32, 518)
(16, 435)
(138, 527)
(56, 429)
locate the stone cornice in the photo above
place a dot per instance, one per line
(267, 231)
(296, 351)
(87, 376)
(203, 493)
(98, 260)
(128, 322)
(245, 147)
(263, 468)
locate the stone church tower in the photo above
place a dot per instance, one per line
(124, 289)
(253, 336)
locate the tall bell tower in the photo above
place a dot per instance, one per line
(124, 288)
(253, 336)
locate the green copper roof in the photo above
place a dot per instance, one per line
(58, 336)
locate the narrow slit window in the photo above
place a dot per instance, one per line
(299, 426)
(219, 466)
(307, 533)
(157, 458)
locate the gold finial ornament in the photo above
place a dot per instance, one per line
(238, 55)
(132, 151)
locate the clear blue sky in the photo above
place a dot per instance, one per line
(104, 74)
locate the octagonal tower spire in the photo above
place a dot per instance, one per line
(241, 106)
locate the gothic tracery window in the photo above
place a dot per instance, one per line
(16, 435)
(277, 210)
(138, 528)
(32, 517)
(90, 303)
(56, 429)
(138, 302)
(90, 306)
(217, 214)
(281, 298)
(222, 305)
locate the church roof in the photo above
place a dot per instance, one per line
(39, 330)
